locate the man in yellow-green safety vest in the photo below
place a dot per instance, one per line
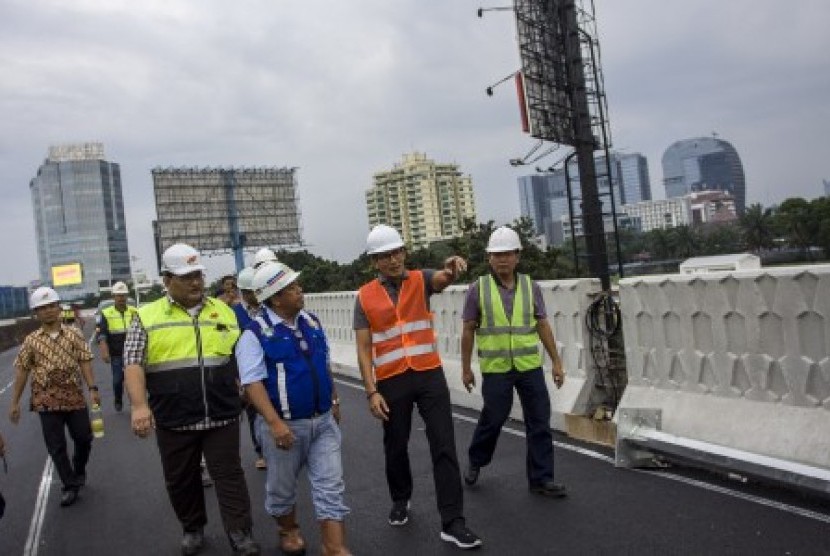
(111, 330)
(504, 313)
(183, 382)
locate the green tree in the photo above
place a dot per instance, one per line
(758, 228)
(797, 223)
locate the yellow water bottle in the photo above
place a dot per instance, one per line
(96, 419)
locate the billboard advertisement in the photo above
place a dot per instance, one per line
(67, 275)
(221, 209)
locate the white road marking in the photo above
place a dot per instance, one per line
(33, 540)
(7, 386)
(788, 508)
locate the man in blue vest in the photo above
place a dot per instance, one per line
(504, 313)
(283, 361)
(112, 325)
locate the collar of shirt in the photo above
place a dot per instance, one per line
(205, 301)
(276, 319)
(500, 284)
(386, 281)
(42, 331)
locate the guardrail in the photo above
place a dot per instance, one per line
(733, 361)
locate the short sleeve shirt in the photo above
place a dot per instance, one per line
(472, 306)
(360, 321)
(54, 365)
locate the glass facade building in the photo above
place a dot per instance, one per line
(79, 219)
(14, 301)
(544, 198)
(704, 164)
(636, 185)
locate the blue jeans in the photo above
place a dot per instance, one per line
(316, 447)
(497, 391)
(117, 364)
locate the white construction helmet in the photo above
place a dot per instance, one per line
(181, 259)
(383, 238)
(120, 288)
(43, 296)
(263, 256)
(271, 278)
(245, 278)
(504, 239)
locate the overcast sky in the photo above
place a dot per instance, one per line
(342, 88)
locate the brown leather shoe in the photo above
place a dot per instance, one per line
(292, 542)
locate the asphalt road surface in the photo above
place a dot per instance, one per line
(124, 508)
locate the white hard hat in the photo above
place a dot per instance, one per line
(43, 296)
(504, 239)
(383, 238)
(181, 259)
(245, 278)
(271, 278)
(120, 288)
(264, 255)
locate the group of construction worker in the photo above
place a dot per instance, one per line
(191, 363)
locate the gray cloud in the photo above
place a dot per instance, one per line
(342, 89)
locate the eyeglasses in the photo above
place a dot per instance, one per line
(190, 277)
(394, 253)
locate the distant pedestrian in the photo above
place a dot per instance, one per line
(284, 364)
(228, 292)
(58, 361)
(505, 314)
(247, 310)
(179, 351)
(398, 357)
(111, 330)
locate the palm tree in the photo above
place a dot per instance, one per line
(757, 226)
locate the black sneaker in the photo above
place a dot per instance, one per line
(243, 543)
(399, 514)
(471, 475)
(550, 489)
(192, 542)
(457, 532)
(69, 497)
(119, 405)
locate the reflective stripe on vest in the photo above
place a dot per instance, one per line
(402, 334)
(118, 322)
(282, 390)
(173, 341)
(507, 344)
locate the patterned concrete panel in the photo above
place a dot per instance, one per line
(757, 340)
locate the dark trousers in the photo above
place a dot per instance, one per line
(77, 422)
(251, 412)
(428, 390)
(117, 365)
(181, 455)
(497, 391)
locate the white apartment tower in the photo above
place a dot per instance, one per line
(424, 200)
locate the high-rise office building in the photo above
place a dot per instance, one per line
(635, 183)
(544, 198)
(704, 163)
(79, 220)
(426, 201)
